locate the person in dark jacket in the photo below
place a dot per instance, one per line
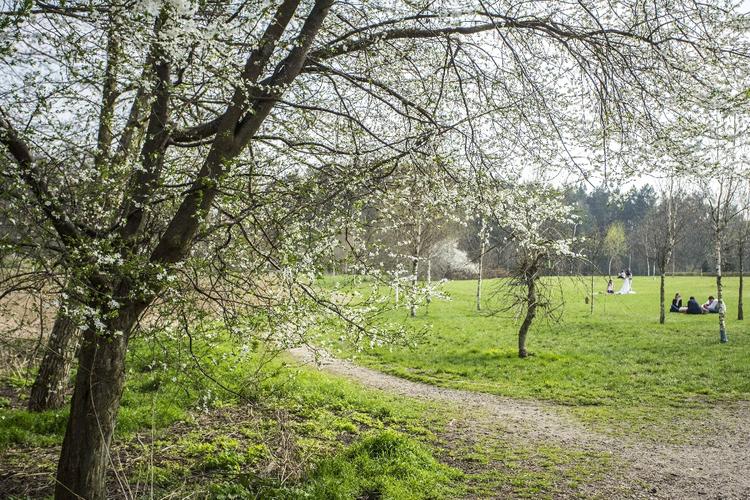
(693, 307)
(676, 303)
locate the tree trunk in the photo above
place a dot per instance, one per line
(609, 267)
(429, 280)
(479, 275)
(723, 337)
(413, 300)
(741, 269)
(531, 305)
(93, 410)
(662, 315)
(48, 390)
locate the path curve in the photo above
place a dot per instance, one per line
(718, 468)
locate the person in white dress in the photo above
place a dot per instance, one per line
(627, 283)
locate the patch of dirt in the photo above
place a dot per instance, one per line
(26, 315)
(715, 467)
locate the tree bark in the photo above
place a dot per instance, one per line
(429, 280)
(48, 390)
(531, 305)
(413, 299)
(479, 276)
(93, 411)
(723, 337)
(662, 312)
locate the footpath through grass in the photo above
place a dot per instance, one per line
(300, 433)
(615, 366)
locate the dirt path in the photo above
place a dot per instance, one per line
(716, 468)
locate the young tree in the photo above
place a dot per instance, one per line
(539, 225)
(615, 243)
(742, 236)
(414, 211)
(724, 174)
(721, 194)
(666, 224)
(742, 232)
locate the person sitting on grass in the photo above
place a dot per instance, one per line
(711, 305)
(693, 307)
(676, 303)
(610, 286)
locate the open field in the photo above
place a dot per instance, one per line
(610, 405)
(617, 368)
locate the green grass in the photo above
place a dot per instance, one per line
(617, 364)
(382, 464)
(301, 433)
(298, 433)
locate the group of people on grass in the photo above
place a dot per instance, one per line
(693, 307)
(712, 305)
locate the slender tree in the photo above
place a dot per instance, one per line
(538, 224)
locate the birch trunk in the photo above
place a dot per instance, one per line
(723, 337)
(413, 299)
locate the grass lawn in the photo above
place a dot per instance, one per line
(615, 366)
(298, 433)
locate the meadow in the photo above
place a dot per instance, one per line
(297, 432)
(615, 367)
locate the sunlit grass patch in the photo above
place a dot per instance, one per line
(615, 364)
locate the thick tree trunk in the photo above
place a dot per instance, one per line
(741, 269)
(101, 369)
(531, 305)
(93, 411)
(723, 337)
(662, 312)
(48, 390)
